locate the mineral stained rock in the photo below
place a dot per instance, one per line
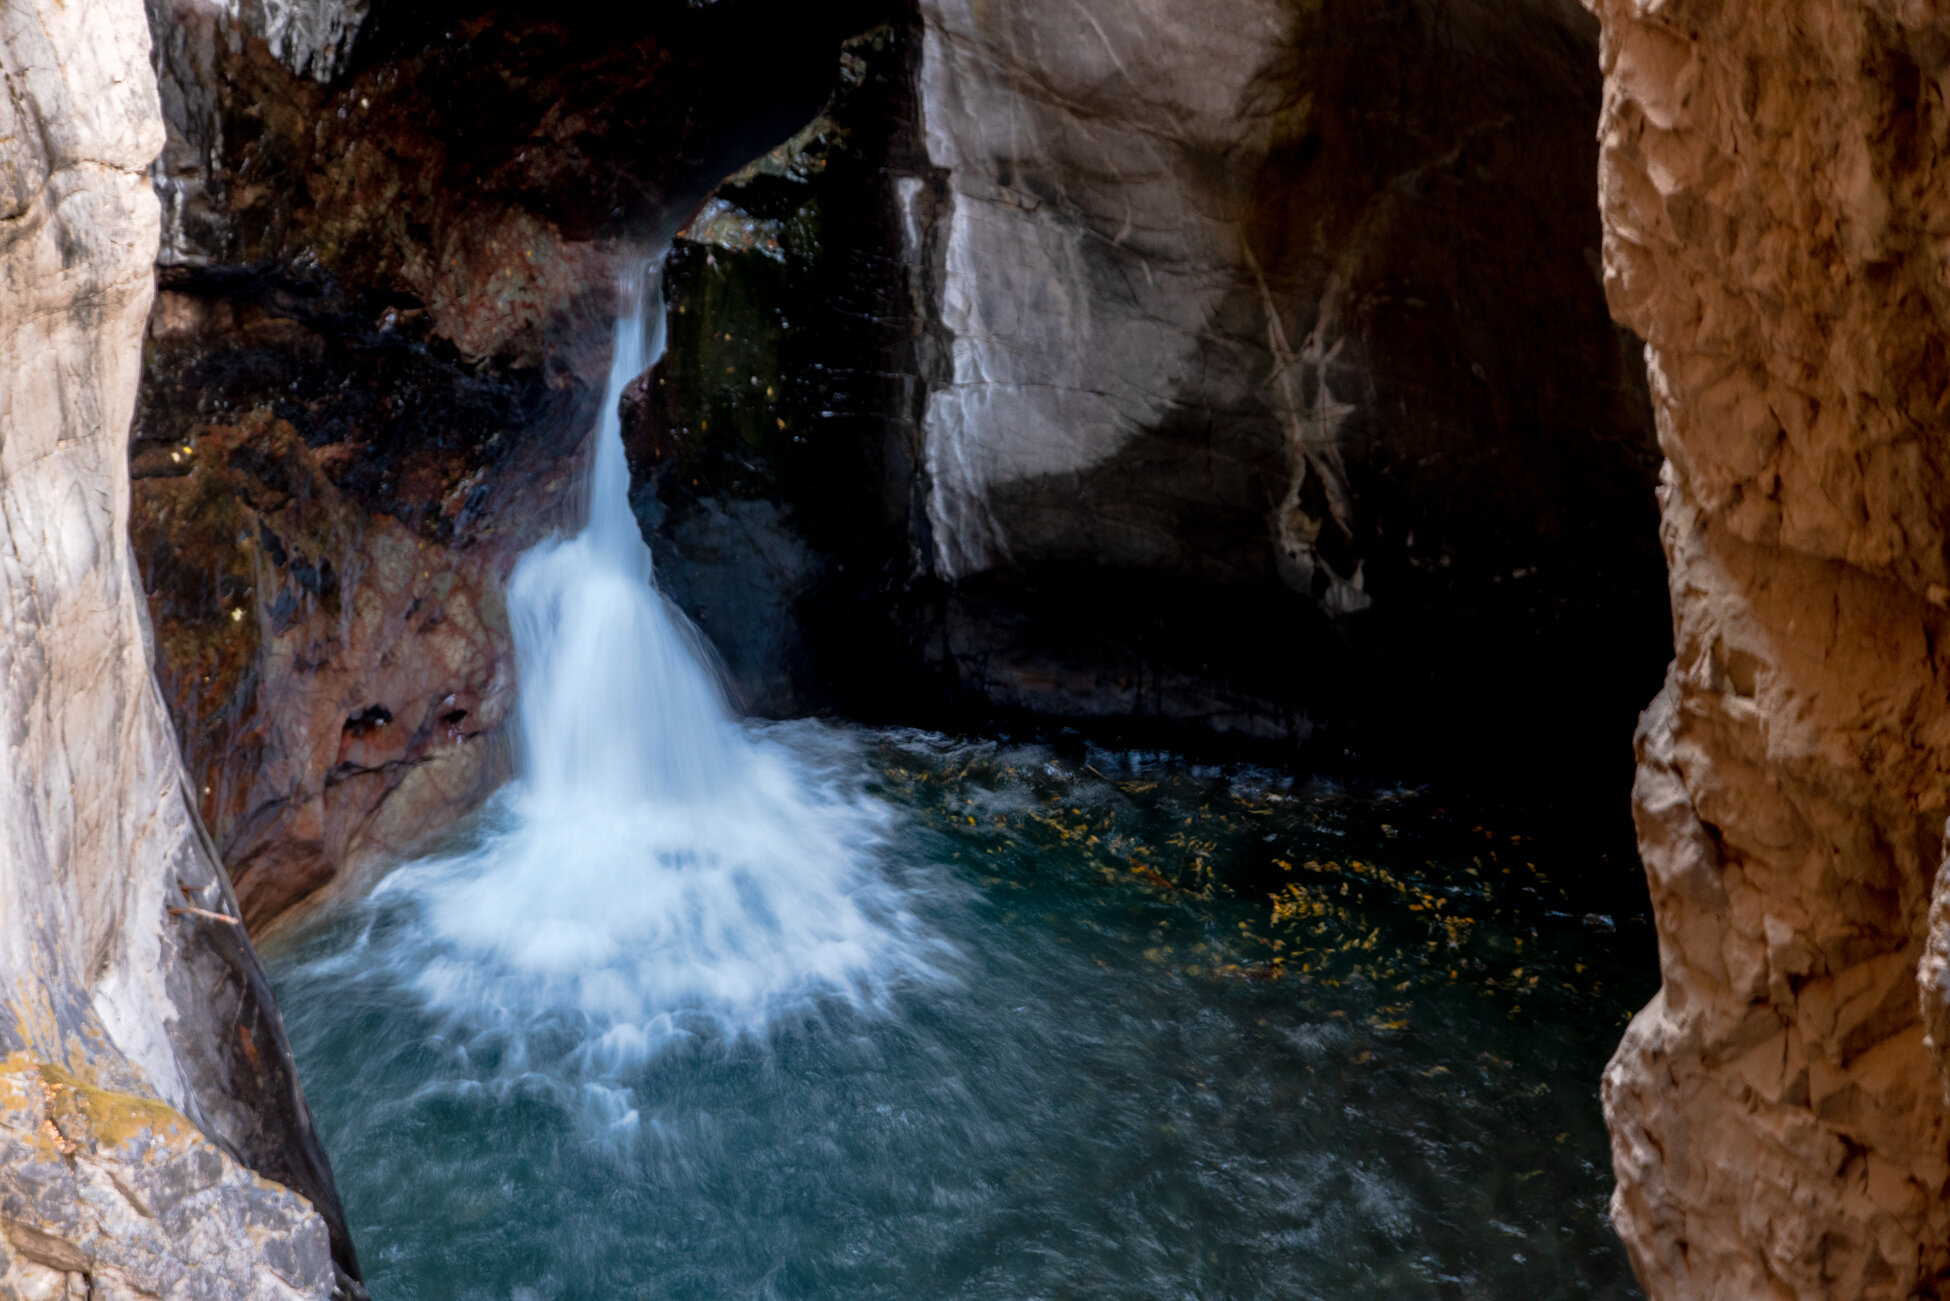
(327, 609)
(1777, 223)
(112, 1195)
(124, 976)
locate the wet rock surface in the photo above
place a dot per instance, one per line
(1773, 199)
(122, 962)
(387, 288)
(324, 547)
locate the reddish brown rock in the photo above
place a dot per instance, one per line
(1776, 207)
(340, 666)
(388, 279)
(309, 729)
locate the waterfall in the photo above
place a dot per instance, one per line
(658, 871)
(617, 706)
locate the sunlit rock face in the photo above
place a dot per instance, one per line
(115, 1195)
(1775, 203)
(387, 279)
(1212, 368)
(122, 966)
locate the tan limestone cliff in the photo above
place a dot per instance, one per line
(1777, 224)
(120, 969)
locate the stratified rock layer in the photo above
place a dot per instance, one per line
(1777, 218)
(121, 962)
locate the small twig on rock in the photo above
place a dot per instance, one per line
(205, 912)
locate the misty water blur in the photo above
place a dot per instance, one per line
(707, 1009)
(655, 873)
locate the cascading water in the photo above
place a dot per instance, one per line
(655, 873)
(675, 1023)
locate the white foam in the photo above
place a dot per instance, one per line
(655, 872)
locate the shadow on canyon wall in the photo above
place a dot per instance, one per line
(1419, 214)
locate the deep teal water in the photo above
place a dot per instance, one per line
(1191, 1033)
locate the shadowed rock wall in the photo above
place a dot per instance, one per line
(1777, 207)
(1294, 305)
(1226, 369)
(129, 996)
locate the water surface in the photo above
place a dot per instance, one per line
(702, 1009)
(1130, 1028)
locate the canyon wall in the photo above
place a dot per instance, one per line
(1167, 371)
(1229, 369)
(1282, 321)
(147, 1097)
(1313, 243)
(1777, 227)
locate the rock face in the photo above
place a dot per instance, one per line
(387, 284)
(325, 586)
(1775, 197)
(117, 1196)
(1173, 370)
(1262, 297)
(1201, 365)
(124, 976)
